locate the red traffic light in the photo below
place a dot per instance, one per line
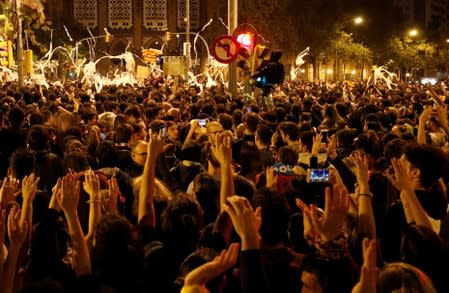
(245, 39)
(246, 36)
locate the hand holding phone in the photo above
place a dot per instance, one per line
(318, 175)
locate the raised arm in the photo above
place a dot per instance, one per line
(91, 185)
(425, 116)
(367, 224)
(29, 189)
(146, 214)
(442, 118)
(223, 153)
(414, 212)
(17, 235)
(69, 198)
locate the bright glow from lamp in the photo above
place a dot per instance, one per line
(329, 71)
(358, 20)
(245, 39)
(413, 33)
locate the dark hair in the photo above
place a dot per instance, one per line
(106, 154)
(181, 222)
(334, 276)
(250, 159)
(290, 129)
(117, 257)
(430, 160)
(22, 163)
(225, 121)
(76, 161)
(307, 139)
(251, 122)
(123, 133)
(288, 156)
(264, 134)
(207, 192)
(275, 215)
(16, 116)
(37, 138)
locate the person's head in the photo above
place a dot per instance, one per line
(263, 135)
(76, 161)
(321, 275)
(213, 128)
(250, 160)
(123, 134)
(306, 141)
(67, 121)
(207, 191)
(288, 156)
(251, 122)
(37, 138)
(117, 254)
(139, 152)
(275, 216)
(403, 277)
(226, 121)
(426, 162)
(181, 222)
(16, 117)
(133, 114)
(172, 130)
(196, 259)
(21, 163)
(106, 154)
(139, 132)
(289, 132)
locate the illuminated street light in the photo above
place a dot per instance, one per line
(407, 74)
(447, 40)
(413, 33)
(329, 71)
(358, 20)
(302, 71)
(353, 72)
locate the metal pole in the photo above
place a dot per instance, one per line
(186, 47)
(19, 46)
(233, 12)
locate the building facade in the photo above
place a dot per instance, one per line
(134, 24)
(423, 13)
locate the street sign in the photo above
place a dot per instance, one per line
(225, 49)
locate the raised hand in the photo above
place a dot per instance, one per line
(8, 190)
(70, 194)
(309, 232)
(223, 150)
(316, 144)
(332, 147)
(114, 194)
(426, 114)
(246, 222)
(29, 187)
(442, 115)
(210, 270)
(368, 273)
(402, 178)
(56, 192)
(17, 233)
(91, 185)
(155, 146)
(362, 169)
(331, 223)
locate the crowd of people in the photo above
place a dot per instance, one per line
(322, 187)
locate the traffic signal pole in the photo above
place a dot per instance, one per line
(19, 45)
(233, 13)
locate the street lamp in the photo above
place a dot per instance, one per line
(413, 33)
(358, 20)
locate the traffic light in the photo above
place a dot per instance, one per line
(246, 36)
(261, 56)
(271, 72)
(168, 36)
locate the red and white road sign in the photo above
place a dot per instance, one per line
(225, 49)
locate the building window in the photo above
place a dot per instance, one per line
(194, 14)
(120, 14)
(155, 14)
(86, 12)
